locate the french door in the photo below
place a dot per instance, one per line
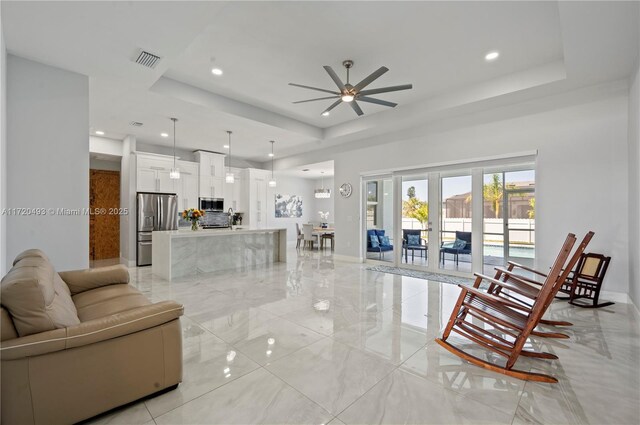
(451, 221)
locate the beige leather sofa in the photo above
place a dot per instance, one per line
(78, 343)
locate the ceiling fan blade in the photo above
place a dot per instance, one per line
(376, 101)
(315, 88)
(334, 77)
(356, 107)
(318, 98)
(333, 105)
(386, 89)
(373, 76)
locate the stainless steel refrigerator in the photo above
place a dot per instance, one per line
(156, 211)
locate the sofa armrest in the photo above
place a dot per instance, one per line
(92, 331)
(84, 280)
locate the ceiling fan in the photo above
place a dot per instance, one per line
(351, 94)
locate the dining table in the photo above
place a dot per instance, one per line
(321, 231)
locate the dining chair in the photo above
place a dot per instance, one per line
(299, 235)
(308, 236)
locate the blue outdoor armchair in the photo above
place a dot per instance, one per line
(379, 248)
(462, 245)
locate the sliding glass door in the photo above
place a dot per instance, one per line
(455, 223)
(425, 220)
(415, 221)
(509, 218)
(379, 214)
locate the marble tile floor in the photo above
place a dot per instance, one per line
(323, 341)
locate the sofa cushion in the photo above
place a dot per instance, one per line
(7, 330)
(384, 240)
(30, 253)
(108, 300)
(36, 297)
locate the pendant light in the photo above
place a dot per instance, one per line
(322, 193)
(229, 178)
(272, 182)
(175, 172)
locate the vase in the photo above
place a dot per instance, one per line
(194, 225)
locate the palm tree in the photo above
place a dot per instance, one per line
(415, 208)
(493, 193)
(532, 211)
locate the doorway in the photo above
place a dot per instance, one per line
(104, 222)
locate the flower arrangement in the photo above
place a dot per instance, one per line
(324, 216)
(194, 216)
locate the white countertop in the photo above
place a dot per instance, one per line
(188, 233)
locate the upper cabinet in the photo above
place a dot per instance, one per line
(211, 174)
(187, 185)
(211, 164)
(153, 173)
(235, 193)
(153, 176)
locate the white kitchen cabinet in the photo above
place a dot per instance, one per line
(257, 204)
(234, 193)
(147, 180)
(211, 187)
(211, 174)
(153, 173)
(211, 164)
(187, 185)
(165, 183)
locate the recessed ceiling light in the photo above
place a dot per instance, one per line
(216, 71)
(491, 56)
(226, 146)
(305, 169)
(325, 113)
(164, 135)
(270, 154)
(100, 132)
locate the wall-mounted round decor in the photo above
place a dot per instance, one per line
(345, 190)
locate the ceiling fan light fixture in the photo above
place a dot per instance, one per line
(347, 97)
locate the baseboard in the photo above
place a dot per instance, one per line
(127, 263)
(347, 258)
(618, 297)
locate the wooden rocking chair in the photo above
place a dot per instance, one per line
(586, 281)
(506, 318)
(529, 288)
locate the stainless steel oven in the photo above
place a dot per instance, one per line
(212, 204)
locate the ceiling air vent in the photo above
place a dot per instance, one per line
(147, 59)
(136, 124)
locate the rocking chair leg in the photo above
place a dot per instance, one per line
(555, 323)
(520, 374)
(550, 334)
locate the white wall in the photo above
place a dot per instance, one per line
(3, 149)
(47, 161)
(322, 204)
(105, 146)
(128, 200)
(634, 189)
(292, 186)
(581, 169)
(101, 164)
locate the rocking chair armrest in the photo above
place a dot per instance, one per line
(518, 277)
(506, 285)
(529, 269)
(493, 298)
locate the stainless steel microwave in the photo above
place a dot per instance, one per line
(212, 204)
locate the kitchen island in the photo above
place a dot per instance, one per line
(183, 253)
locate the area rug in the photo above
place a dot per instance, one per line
(453, 280)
